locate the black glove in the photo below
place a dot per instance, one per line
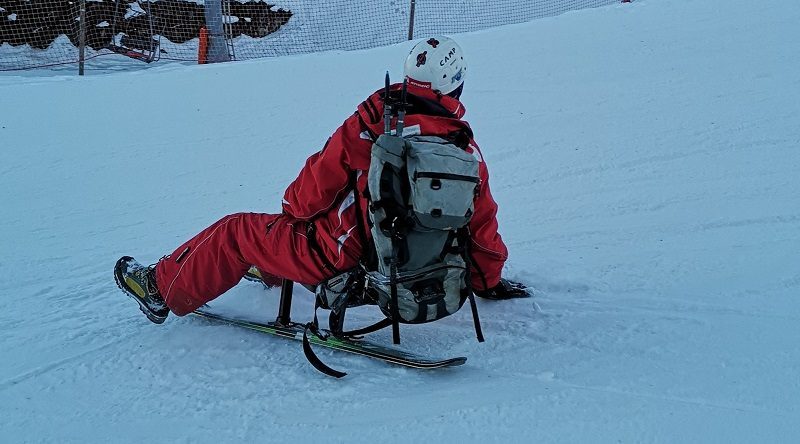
(504, 290)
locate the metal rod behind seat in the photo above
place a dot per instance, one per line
(285, 307)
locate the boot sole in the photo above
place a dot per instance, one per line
(152, 317)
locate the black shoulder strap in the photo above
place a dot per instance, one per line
(311, 235)
(368, 254)
(362, 230)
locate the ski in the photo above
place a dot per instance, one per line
(357, 346)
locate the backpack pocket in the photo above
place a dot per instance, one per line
(426, 294)
(443, 182)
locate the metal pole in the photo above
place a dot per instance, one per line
(228, 26)
(411, 20)
(217, 45)
(82, 39)
(285, 307)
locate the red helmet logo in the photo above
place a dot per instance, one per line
(433, 42)
(422, 58)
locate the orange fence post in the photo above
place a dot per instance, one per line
(202, 49)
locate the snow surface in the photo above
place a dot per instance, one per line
(645, 158)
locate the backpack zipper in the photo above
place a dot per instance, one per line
(445, 176)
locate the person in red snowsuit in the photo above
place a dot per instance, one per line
(316, 236)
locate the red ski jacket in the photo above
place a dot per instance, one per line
(322, 192)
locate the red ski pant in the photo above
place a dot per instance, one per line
(217, 258)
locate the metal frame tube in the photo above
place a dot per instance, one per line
(285, 307)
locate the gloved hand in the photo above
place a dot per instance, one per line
(506, 289)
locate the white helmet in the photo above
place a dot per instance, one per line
(437, 63)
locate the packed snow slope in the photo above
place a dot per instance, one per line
(645, 159)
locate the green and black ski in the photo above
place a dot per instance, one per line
(357, 346)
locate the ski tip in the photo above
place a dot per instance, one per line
(445, 363)
(461, 360)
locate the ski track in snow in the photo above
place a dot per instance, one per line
(644, 157)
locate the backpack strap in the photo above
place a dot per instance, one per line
(395, 307)
(466, 237)
(311, 235)
(368, 253)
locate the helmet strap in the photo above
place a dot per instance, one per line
(456, 93)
